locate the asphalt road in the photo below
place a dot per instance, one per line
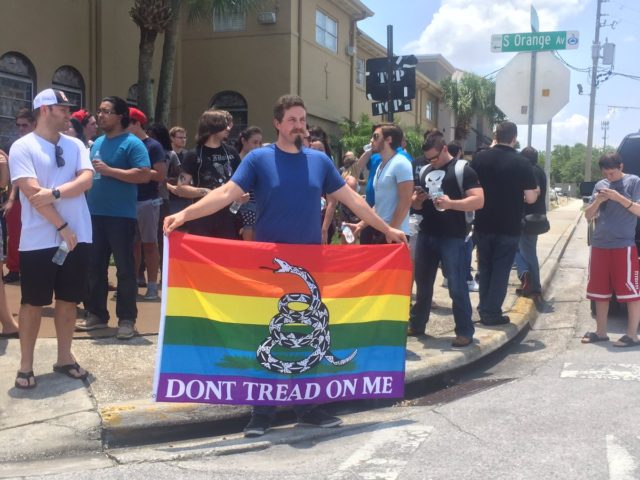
(545, 407)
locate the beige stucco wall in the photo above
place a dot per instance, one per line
(37, 29)
(56, 33)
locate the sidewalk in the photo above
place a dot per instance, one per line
(115, 405)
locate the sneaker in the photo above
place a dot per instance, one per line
(496, 320)
(412, 332)
(473, 286)
(319, 418)
(142, 282)
(151, 295)
(92, 322)
(257, 426)
(461, 341)
(126, 330)
(11, 277)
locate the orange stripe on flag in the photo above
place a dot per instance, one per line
(264, 283)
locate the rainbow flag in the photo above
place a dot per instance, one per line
(272, 324)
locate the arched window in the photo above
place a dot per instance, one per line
(132, 95)
(17, 85)
(70, 81)
(236, 105)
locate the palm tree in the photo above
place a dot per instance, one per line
(158, 16)
(467, 96)
(152, 18)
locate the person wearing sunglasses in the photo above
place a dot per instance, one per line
(52, 172)
(121, 162)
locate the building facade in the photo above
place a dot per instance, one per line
(237, 62)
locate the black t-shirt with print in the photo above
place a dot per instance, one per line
(450, 223)
(211, 167)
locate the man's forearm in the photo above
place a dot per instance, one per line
(189, 191)
(78, 185)
(132, 175)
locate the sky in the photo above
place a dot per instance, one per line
(461, 31)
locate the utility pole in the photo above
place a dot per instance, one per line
(595, 55)
(605, 127)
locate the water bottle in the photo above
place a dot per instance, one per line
(61, 254)
(235, 206)
(97, 175)
(323, 203)
(348, 234)
(367, 147)
(436, 193)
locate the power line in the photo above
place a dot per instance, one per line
(577, 69)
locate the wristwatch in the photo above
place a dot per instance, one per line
(56, 193)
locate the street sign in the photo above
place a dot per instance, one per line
(403, 79)
(535, 42)
(552, 88)
(397, 105)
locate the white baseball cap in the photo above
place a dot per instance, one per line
(51, 97)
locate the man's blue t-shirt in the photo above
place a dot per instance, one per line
(372, 166)
(111, 197)
(288, 188)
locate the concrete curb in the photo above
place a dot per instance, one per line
(138, 422)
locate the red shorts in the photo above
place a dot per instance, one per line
(613, 270)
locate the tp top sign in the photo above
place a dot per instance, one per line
(551, 88)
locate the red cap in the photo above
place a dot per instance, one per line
(137, 115)
(81, 115)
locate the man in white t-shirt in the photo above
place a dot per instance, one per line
(392, 181)
(52, 172)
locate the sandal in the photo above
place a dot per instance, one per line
(626, 341)
(10, 335)
(67, 369)
(593, 337)
(26, 376)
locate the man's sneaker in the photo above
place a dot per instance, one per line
(319, 418)
(492, 321)
(126, 330)
(473, 286)
(257, 426)
(151, 295)
(11, 277)
(92, 322)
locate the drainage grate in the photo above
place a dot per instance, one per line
(455, 392)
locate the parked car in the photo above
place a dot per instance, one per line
(629, 151)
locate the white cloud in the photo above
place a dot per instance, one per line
(461, 29)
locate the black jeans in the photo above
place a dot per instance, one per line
(112, 235)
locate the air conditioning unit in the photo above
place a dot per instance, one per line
(350, 50)
(267, 18)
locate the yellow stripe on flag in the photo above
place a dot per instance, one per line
(186, 302)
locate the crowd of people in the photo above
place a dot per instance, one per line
(83, 199)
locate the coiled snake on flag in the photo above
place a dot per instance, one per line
(315, 315)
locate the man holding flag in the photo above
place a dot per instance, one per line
(288, 183)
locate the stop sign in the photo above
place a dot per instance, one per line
(551, 88)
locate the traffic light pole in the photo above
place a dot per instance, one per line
(390, 72)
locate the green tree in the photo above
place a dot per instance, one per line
(357, 134)
(151, 17)
(468, 96)
(163, 16)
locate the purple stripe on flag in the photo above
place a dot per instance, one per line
(259, 391)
